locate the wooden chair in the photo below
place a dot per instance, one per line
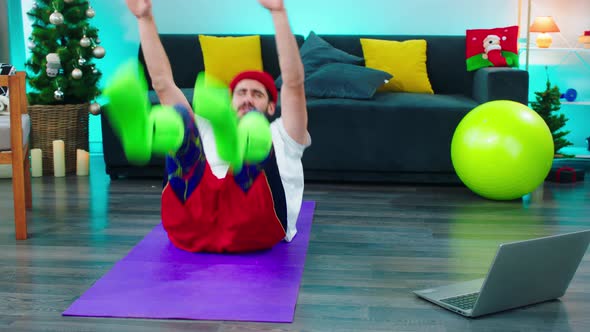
(18, 155)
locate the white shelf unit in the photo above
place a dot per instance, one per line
(559, 56)
(578, 110)
(578, 103)
(582, 54)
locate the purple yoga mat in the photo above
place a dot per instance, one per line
(157, 280)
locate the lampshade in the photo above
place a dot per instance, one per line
(544, 24)
(585, 39)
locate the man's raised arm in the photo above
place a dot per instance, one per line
(293, 103)
(156, 59)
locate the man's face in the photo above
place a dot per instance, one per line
(251, 94)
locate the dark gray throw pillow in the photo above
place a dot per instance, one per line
(341, 80)
(316, 52)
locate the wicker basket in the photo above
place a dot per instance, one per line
(59, 122)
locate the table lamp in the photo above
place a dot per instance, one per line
(584, 39)
(544, 24)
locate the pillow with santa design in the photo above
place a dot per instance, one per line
(492, 47)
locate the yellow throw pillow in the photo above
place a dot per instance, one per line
(225, 57)
(405, 61)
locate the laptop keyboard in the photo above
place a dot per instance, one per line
(464, 302)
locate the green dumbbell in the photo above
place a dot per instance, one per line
(141, 131)
(254, 136)
(212, 101)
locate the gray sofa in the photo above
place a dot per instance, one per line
(393, 137)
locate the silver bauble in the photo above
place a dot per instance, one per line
(76, 74)
(56, 18)
(94, 108)
(35, 5)
(31, 45)
(97, 40)
(85, 41)
(98, 52)
(90, 12)
(81, 61)
(94, 70)
(58, 94)
(68, 1)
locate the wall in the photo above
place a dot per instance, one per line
(15, 33)
(118, 29)
(367, 16)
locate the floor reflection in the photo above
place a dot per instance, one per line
(99, 181)
(477, 227)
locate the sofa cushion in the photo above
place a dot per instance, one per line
(492, 48)
(6, 69)
(445, 58)
(186, 56)
(225, 57)
(316, 52)
(340, 80)
(5, 130)
(405, 60)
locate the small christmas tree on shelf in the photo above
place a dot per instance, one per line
(546, 104)
(63, 45)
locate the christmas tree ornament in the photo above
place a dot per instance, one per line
(98, 52)
(90, 13)
(53, 64)
(76, 74)
(94, 108)
(58, 94)
(60, 65)
(56, 18)
(569, 95)
(97, 40)
(85, 41)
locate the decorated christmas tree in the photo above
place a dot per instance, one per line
(63, 44)
(546, 105)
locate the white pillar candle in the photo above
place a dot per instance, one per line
(59, 159)
(82, 162)
(36, 163)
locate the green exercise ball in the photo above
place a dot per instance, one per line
(502, 150)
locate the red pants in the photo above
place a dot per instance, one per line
(238, 213)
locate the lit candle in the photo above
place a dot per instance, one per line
(59, 159)
(81, 162)
(36, 163)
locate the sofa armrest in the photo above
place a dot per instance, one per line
(496, 83)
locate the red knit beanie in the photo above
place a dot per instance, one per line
(260, 76)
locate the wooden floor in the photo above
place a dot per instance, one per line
(370, 246)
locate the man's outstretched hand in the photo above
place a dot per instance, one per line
(140, 8)
(273, 5)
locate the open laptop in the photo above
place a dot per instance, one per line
(522, 273)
